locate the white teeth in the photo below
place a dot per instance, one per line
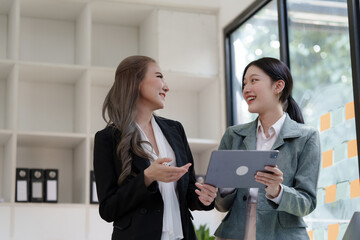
(250, 98)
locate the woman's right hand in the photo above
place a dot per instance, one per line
(160, 171)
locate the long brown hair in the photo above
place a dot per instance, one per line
(120, 104)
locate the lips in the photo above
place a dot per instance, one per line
(162, 94)
(250, 99)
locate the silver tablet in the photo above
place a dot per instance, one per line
(237, 168)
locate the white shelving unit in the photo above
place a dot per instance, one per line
(57, 63)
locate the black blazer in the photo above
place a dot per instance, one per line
(137, 210)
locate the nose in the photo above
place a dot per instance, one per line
(246, 88)
(165, 87)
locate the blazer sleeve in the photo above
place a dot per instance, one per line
(192, 198)
(300, 199)
(115, 201)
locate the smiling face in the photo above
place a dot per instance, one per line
(152, 89)
(260, 92)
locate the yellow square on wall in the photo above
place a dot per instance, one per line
(325, 122)
(333, 231)
(355, 188)
(352, 148)
(330, 194)
(327, 158)
(349, 110)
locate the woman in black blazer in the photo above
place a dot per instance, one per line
(143, 164)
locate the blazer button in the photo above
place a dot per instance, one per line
(158, 211)
(244, 198)
(143, 210)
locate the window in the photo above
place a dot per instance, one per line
(255, 38)
(318, 52)
(320, 62)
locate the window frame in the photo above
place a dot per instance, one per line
(354, 32)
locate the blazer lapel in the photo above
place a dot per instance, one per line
(290, 129)
(173, 137)
(249, 135)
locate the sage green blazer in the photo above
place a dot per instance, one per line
(299, 160)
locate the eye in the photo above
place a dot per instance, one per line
(160, 76)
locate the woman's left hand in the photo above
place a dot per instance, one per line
(207, 193)
(271, 180)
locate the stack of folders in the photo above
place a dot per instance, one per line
(93, 192)
(36, 185)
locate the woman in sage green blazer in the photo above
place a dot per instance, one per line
(290, 191)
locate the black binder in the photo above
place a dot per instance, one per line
(36, 185)
(22, 185)
(93, 192)
(51, 185)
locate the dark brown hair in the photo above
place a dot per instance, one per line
(277, 70)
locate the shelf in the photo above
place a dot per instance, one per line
(4, 73)
(50, 140)
(56, 10)
(49, 31)
(102, 76)
(184, 40)
(5, 219)
(125, 14)
(50, 72)
(101, 82)
(52, 98)
(50, 205)
(115, 31)
(5, 8)
(201, 145)
(57, 63)
(60, 221)
(99, 229)
(5, 68)
(4, 136)
(68, 154)
(196, 145)
(7, 89)
(6, 165)
(3, 35)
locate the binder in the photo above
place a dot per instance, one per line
(22, 185)
(51, 185)
(93, 192)
(36, 185)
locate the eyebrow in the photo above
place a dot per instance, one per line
(254, 74)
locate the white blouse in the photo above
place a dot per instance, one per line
(172, 227)
(266, 143)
